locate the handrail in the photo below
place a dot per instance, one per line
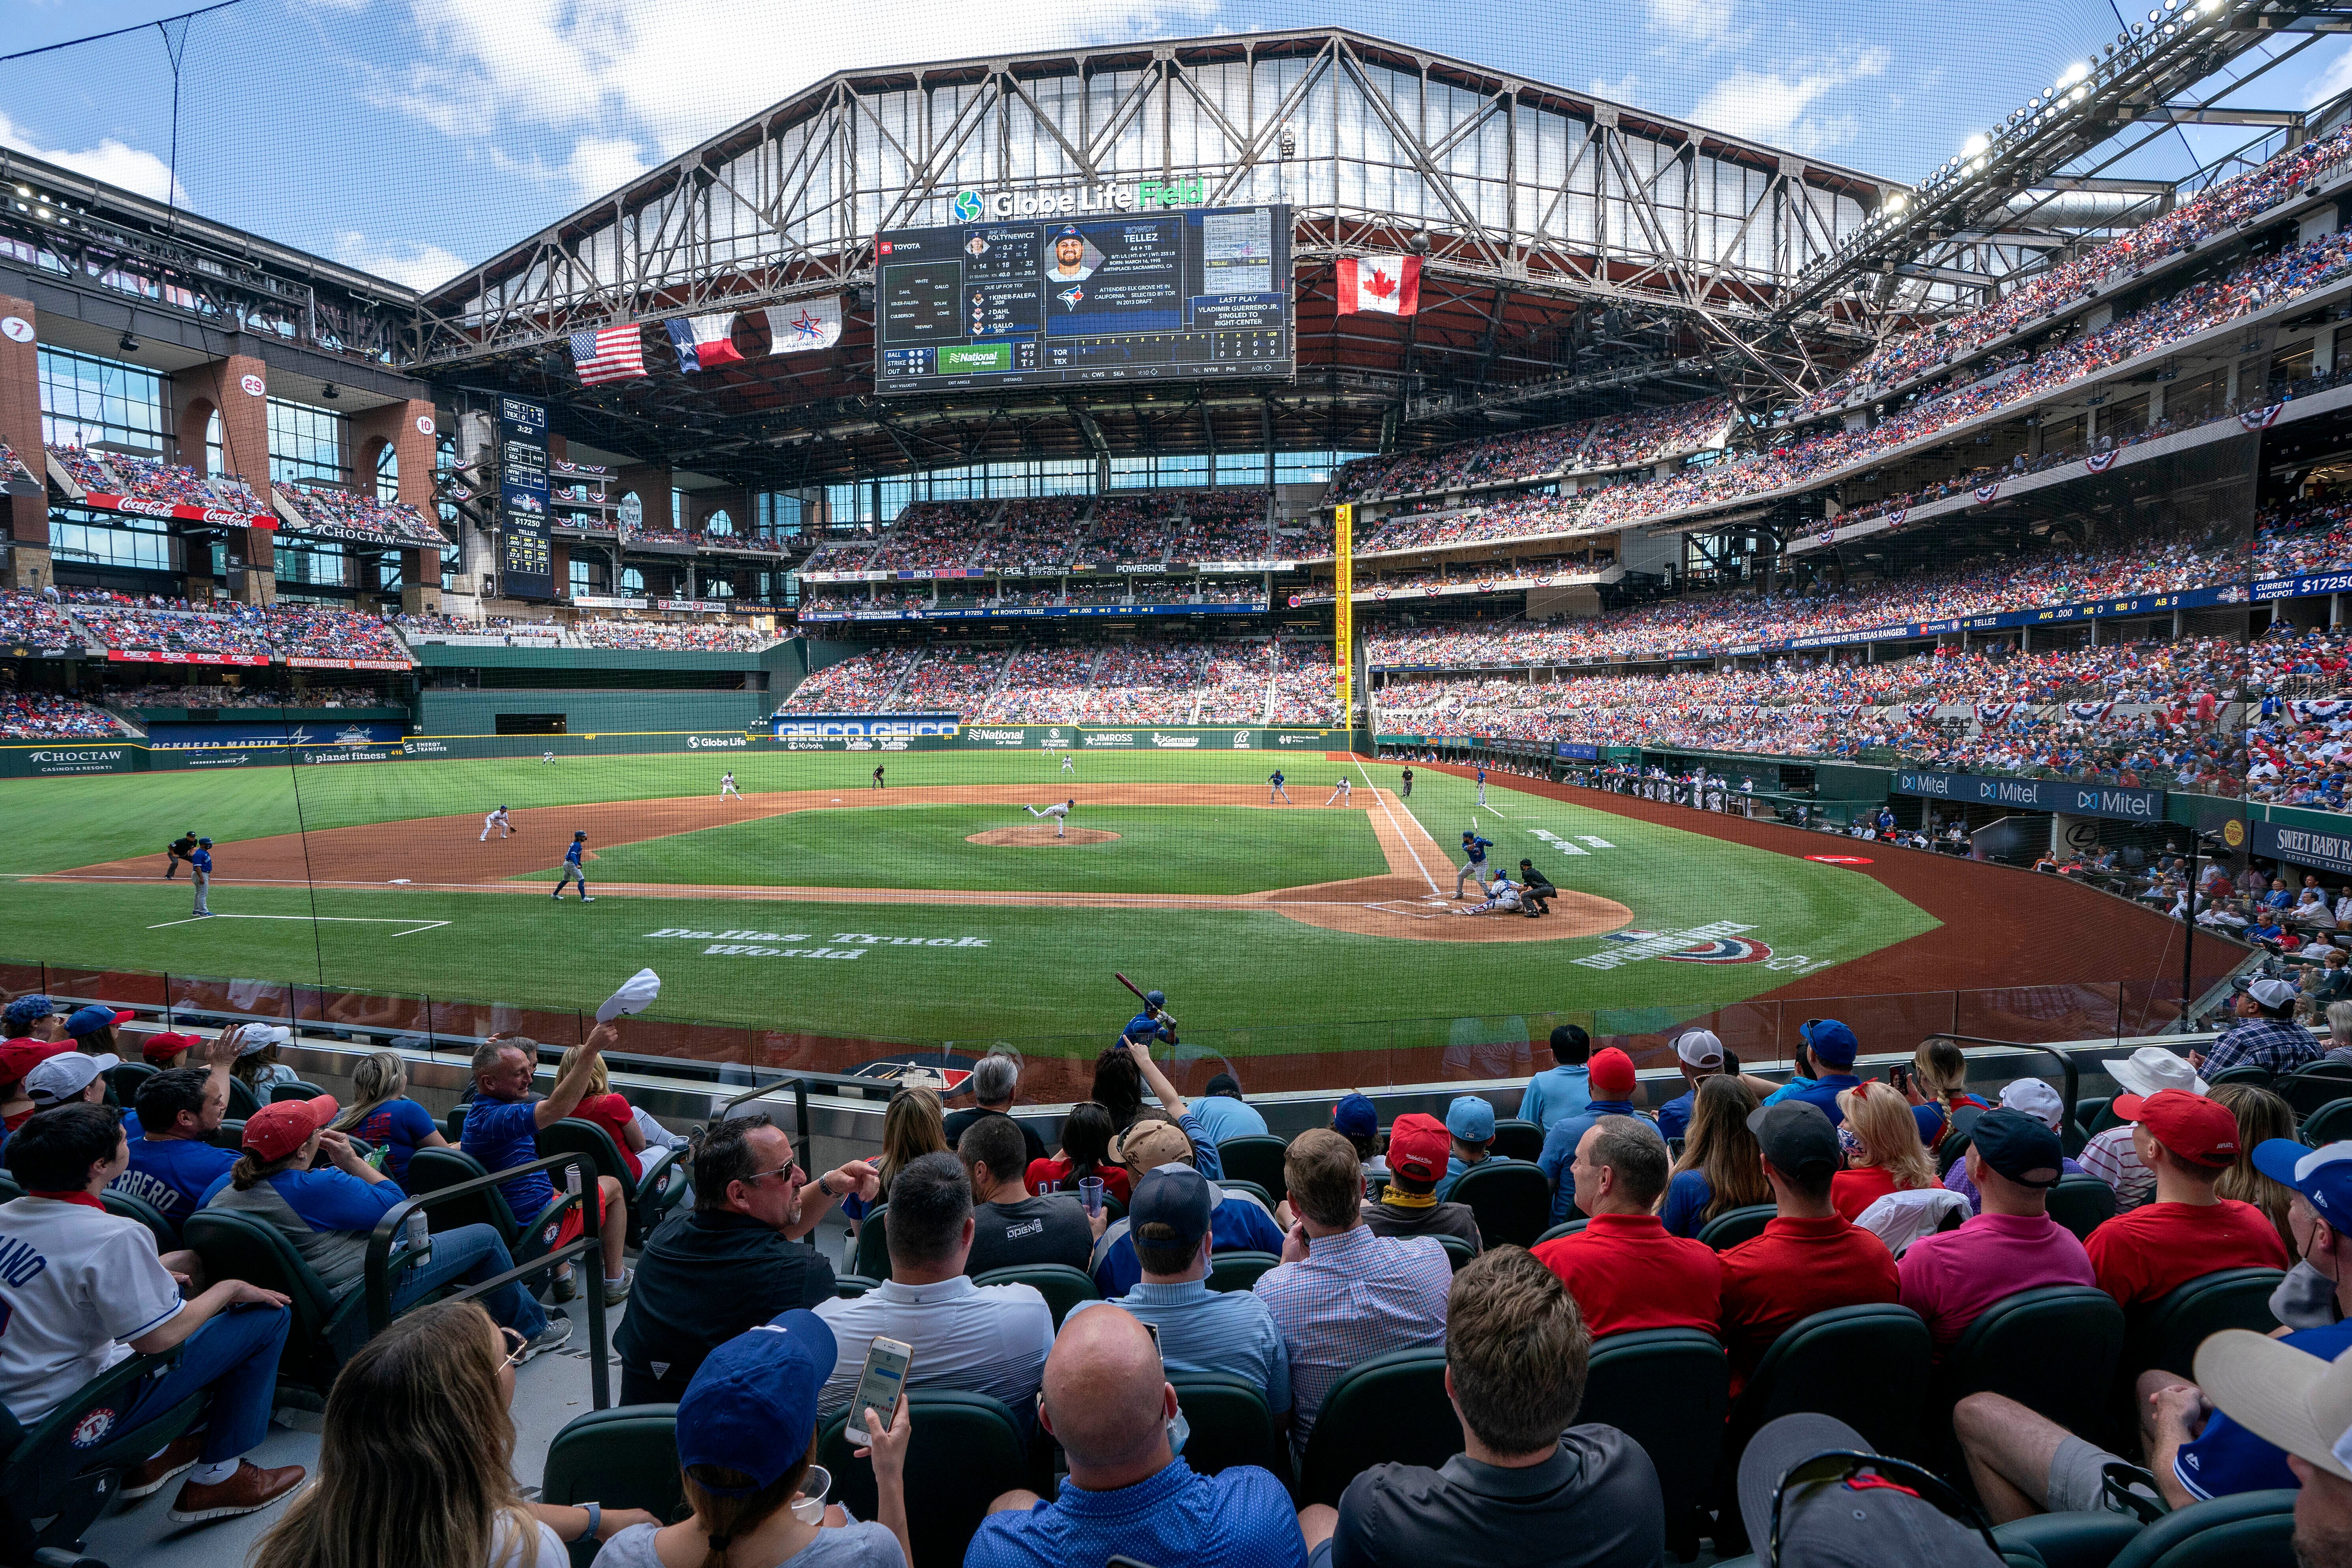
(2068, 1096)
(589, 1244)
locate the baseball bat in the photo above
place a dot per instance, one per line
(1161, 1013)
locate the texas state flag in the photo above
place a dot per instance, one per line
(1387, 285)
(704, 343)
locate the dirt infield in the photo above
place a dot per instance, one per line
(448, 854)
(1038, 839)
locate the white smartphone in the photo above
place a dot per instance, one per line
(879, 1386)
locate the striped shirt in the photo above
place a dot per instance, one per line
(1353, 1297)
(2109, 1155)
(981, 1339)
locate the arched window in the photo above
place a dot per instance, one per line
(213, 443)
(722, 589)
(718, 523)
(387, 472)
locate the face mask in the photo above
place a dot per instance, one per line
(1848, 1143)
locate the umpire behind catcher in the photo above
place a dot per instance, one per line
(1535, 890)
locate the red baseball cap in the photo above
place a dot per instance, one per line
(2189, 1126)
(1611, 1071)
(20, 1056)
(1419, 1146)
(276, 1131)
(162, 1048)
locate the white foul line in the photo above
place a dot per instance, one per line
(1402, 836)
(414, 926)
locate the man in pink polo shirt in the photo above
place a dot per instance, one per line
(1950, 1278)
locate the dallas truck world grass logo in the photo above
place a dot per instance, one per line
(1721, 941)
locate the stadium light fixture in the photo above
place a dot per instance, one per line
(128, 345)
(1974, 145)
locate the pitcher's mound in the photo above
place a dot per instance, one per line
(1040, 837)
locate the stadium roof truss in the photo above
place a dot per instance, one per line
(1535, 203)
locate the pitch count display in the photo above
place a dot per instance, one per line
(1047, 301)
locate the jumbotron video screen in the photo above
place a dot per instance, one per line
(1055, 299)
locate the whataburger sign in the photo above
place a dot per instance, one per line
(1143, 196)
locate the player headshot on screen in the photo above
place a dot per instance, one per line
(1069, 257)
(976, 246)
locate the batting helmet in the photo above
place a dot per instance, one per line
(580, 835)
(1468, 833)
(1155, 998)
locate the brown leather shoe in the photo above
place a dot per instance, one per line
(251, 1489)
(178, 1457)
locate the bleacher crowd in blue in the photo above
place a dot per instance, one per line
(1839, 1316)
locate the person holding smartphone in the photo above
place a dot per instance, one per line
(746, 1447)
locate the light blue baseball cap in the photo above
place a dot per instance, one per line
(1471, 1118)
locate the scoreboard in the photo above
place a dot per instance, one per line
(1177, 295)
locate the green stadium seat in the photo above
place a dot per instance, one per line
(1238, 1269)
(1948, 1153)
(621, 1458)
(1457, 1251)
(430, 1170)
(452, 1126)
(2053, 1350)
(2251, 1530)
(51, 1489)
(298, 1089)
(1565, 1227)
(845, 1285)
(1230, 1425)
(124, 1079)
(1666, 1389)
(872, 1255)
(123, 1205)
(2097, 1115)
(1518, 1140)
(1254, 1157)
(1732, 1227)
(325, 1331)
(229, 1134)
(2066, 1540)
(2166, 1333)
(2311, 1086)
(1062, 1285)
(1511, 1200)
(242, 1101)
(2328, 1124)
(2082, 1202)
(651, 1195)
(1234, 1185)
(1390, 1409)
(1867, 1367)
(10, 1191)
(2258, 1075)
(966, 1451)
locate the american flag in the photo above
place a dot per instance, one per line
(608, 353)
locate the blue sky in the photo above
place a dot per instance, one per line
(412, 136)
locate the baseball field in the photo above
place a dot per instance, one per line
(817, 915)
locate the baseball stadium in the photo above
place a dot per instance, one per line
(1346, 573)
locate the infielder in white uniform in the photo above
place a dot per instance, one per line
(1060, 813)
(1340, 791)
(547, 756)
(727, 786)
(1069, 766)
(497, 819)
(1502, 897)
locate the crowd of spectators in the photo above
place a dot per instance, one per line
(951, 679)
(153, 480)
(669, 636)
(2218, 208)
(1148, 683)
(1608, 441)
(859, 684)
(1235, 680)
(1044, 685)
(12, 467)
(2310, 533)
(311, 631)
(230, 697)
(44, 715)
(33, 620)
(388, 522)
(1304, 685)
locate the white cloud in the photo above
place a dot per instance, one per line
(2331, 81)
(416, 263)
(1622, 90)
(635, 83)
(116, 162)
(1772, 106)
(1695, 21)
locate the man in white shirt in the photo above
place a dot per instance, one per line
(81, 1291)
(2109, 1155)
(982, 1339)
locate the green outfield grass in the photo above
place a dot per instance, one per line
(1022, 973)
(1160, 848)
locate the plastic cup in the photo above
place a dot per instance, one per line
(1090, 1192)
(809, 1506)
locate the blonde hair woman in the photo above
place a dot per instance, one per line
(913, 1127)
(611, 1111)
(383, 1115)
(416, 1462)
(1883, 1153)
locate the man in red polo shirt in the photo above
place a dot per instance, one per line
(1810, 1257)
(1623, 1269)
(2189, 1230)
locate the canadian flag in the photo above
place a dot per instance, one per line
(1390, 285)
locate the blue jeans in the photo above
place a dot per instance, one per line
(467, 1255)
(234, 1358)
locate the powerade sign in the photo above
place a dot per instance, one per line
(2324, 851)
(2035, 794)
(865, 726)
(1143, 196)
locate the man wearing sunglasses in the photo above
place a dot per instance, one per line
(732, 1263)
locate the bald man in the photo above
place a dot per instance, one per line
(1108, 1402)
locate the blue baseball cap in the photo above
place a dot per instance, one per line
(1471, 1118)
(26, 1011)
(1356, 1116)
(2322, 1175)
(94, 1017)
(1177, 1196)
(752, 1405)
(1831, 1041)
